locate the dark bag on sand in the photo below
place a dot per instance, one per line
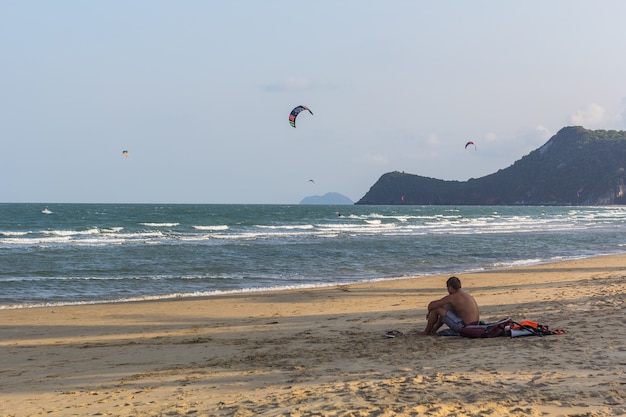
(495, 329)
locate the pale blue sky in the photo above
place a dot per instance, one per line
(199, 93)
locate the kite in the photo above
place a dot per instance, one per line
(294, 114)
(125, 153)
(470, 143)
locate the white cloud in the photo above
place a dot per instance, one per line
(297, 83)
(377, 159)
(589, 116)
(490, 136)
(290, 84)
(433, 139)
(303, 84)
(622, 116)
(543, 132)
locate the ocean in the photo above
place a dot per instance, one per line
(94, 253)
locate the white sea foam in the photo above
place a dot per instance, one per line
(212, 228)
(520, 262)
(35, 241)
(112, 230)
(287, 227)
(11, 233)
(92, 231)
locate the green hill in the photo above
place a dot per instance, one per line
(575, 167)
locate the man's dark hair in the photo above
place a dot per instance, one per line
(454, 282)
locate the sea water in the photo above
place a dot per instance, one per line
(91, 253)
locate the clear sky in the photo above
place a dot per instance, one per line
(199, 93)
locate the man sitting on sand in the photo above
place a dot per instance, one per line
(457, 309)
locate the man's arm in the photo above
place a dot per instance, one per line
(433, 305)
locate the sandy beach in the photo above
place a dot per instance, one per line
(322, 352)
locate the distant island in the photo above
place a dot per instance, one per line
(575, 167)
(328, 198)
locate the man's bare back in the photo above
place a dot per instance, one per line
(464, 306)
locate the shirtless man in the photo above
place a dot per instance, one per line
(457, 309)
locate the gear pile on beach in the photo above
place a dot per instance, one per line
(507, 327)
(504, 327)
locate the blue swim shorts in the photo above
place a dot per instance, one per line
(453, 321)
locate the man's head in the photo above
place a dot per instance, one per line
(453, 283)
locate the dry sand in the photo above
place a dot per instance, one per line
(321, 352)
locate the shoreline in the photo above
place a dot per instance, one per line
(301, 287)
(321, 351)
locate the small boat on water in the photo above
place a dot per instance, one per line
(46, 211)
